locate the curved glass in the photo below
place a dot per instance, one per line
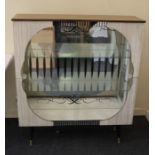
(77, 71)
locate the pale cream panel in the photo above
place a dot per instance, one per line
(125, 116)
(25, 115)
(23, 32)
(134, 34)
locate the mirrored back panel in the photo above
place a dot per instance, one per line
(77, 59)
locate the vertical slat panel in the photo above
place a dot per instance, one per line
(85, 67)
(119, 66)
(54, 82)
(75, 75)
(108, 81)
(58, 67)
(65, 69)
(41, 71)
(72, 70)
(88, 78)
(81, 65)
(112, 66)
(95, 74)
(115, 73)
(105, 66)
(41, 74)
(30, 65)
(51, 67)
(72, 66)
(99, 66)
(61, 73)
(102, 74)
(92, 67)
(78, 66)
(47, 74)
(68, 74)
(44, 66)
(34, 71)
(107, 84)
(37, 66)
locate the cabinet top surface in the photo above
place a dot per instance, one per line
(55, 17)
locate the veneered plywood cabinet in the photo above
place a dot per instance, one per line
(74, 69)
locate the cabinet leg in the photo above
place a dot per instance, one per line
(118, 132)
(31, 132)
(114, 128)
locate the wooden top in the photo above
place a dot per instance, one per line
(55, 17)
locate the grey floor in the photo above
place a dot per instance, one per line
(78, 140)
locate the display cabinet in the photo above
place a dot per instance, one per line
(76, 69)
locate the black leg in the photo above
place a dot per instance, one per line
(118, 132)
(31, 131)
(114, 128)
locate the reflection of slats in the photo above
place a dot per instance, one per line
(97, 86)
(37, 66)
(94, 85)
(47, 75)
(115, 73)
(72, 66)
(91, 87)
(68, 74)
(101, 85)
(102, 66)
(78, 87)
(88, 73)
(71, 86)
(92, 66)
(68, 67)
(105, 67)
(108, 81)
(47, 68)
(87, 85)
(84, 87)
(34, 74)
(95, 69)
(58, 68)
(61, 68)
(51, 66)
(119, 66)
(75, 71)
(61, 85)
(65, 67)
(81, 74)
(41, 73)
(99, 66)
(78, 66)
(44, 66)
(112, 65)
(74, 74)
(85, 66)
(30, 65)
(40, 68)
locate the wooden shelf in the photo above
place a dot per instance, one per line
(61, 109)
(55, 17)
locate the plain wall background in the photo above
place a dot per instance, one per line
(137, 8)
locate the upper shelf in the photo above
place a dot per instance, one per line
(55, 17)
